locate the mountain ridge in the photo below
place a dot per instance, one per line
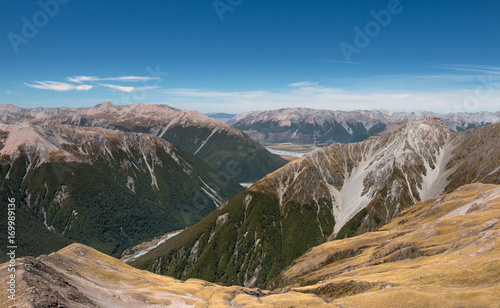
(305, 125)
(220, 145)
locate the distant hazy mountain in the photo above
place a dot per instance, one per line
(223, 117)
(303, 125)
(334, 192)
(106, 188)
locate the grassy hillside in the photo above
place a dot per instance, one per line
(443, 252)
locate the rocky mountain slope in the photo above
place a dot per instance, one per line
(335, 192)
(233, 153)
(106, 188)
(303, 125)
(444, 252)
(236, 156)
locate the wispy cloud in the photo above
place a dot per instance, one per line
(84, 87)
(483, 69)
(80, 79)
(303, 84)
(81, 83)
(57, 86)
(120, 88)
(313, 95)
(13, 93)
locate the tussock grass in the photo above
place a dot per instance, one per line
(444, 252)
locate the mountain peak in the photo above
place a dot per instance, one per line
(105, 105)
(437, 122)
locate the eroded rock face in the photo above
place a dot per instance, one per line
(47, 287)
(396, 169)
(67, 143)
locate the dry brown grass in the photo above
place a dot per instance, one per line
(444, 252)
(108, 282)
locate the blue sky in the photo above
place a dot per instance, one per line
(242, 55)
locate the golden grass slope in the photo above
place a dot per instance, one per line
(444, 252)
(79, 276)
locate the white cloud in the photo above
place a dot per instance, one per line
(80, 79)
(120, 88)
(51, 85)
(132, 78)
(303, 84)
(81, 83)
(84, 87)
(57, 86)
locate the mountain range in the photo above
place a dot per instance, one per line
(105, 176)
(112, 177)
(335, 192)
(324, 127)
(236, 156)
